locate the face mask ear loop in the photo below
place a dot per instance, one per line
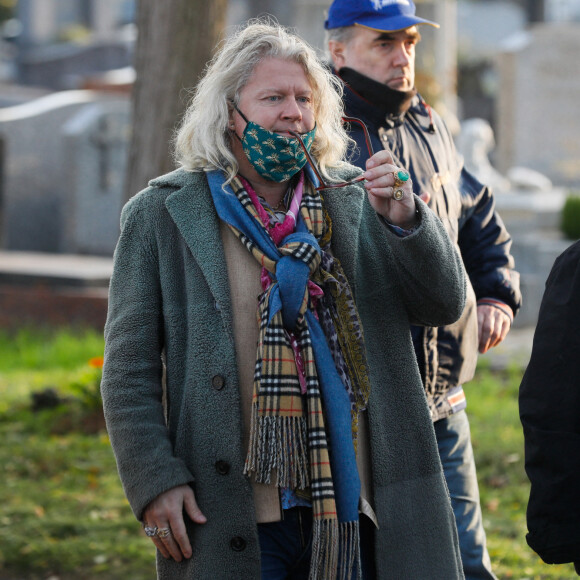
(241, 115)
(240, 112)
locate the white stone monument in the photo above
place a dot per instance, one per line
(538, 125)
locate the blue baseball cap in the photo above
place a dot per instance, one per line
(382, 15)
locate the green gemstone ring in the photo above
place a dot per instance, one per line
(400, 178)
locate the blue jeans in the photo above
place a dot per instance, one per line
(285, 546)
(456, 452)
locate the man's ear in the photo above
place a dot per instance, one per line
(231, 122)
(336, 50)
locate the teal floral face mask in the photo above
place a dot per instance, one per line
(274, 156)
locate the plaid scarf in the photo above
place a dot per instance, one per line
(307, 441)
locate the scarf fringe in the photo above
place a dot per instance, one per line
(335, 550)
(279, 444)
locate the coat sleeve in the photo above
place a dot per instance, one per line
(430, 272)
(549, 402)
(132, 373)
(485, 245)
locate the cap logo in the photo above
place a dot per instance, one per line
(378, 4)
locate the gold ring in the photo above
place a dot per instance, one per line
(163, 532)
(401, 177)
(398, 194)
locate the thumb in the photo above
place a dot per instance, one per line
(425, 196)
(192, 509)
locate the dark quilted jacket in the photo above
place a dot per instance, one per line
(447, 355)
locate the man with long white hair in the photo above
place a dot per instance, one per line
(275, 285)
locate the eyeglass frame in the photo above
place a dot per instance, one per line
(314, 167)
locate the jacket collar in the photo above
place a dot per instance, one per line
(389, 101)
(356, 106)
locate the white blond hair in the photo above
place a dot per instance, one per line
(203, 139)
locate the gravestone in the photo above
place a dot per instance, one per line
(538, 125)
(36, 182)
(95, 146)
(529, 206)
(532, 218)
(538, 147)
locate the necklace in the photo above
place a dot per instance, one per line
(280, 204)
(281, 229)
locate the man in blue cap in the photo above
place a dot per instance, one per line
(372, 45)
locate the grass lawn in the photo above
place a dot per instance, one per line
(63, 513)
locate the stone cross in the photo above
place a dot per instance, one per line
(107, 139)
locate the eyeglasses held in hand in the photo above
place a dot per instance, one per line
(312, 163)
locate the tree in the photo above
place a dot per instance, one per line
(175, 40)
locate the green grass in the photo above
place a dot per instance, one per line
(63, 512)
(62, 509)
(33, 350)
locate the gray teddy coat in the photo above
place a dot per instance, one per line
(169, 298)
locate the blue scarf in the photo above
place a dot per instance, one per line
(295, 261)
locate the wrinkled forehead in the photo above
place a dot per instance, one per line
(375, 35)
(273, 72)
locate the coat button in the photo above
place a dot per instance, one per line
(238, 544)
(218, 382)
(222, 467)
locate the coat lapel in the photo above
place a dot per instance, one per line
(191, 205)
(345, 207)
(193, 212)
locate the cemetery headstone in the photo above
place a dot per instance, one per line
(95, 147)
(538, 125)
(36, 187)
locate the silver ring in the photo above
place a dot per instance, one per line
(398, 194)
(163, 532)
(150, 531)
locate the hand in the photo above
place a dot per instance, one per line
(425, 196)
(493, 326)
(380, 176)
(166, 511)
